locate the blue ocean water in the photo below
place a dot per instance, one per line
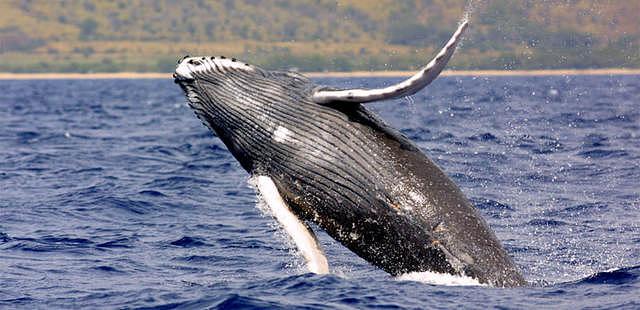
(113, 195)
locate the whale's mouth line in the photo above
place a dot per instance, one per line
(178, 79)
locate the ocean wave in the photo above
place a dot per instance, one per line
(189, 242)
(490, 205)
(601, 154)
(617, 276)
(546, 222)
(487, 136)
(579, 209)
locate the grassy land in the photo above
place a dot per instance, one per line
(314, 35)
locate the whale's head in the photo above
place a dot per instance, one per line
(228, 82)
(238, 100)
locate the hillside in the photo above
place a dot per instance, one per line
(315, 35)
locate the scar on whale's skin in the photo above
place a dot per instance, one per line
(281, 134)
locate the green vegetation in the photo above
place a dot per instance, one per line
(314, 35)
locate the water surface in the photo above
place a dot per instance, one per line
(114, 195)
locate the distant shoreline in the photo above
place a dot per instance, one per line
(152, 75)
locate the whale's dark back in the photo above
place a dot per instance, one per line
(360, 180)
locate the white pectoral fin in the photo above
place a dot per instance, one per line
(405, 88)
(301, 235)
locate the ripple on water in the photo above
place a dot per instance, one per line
(617, 276)
(138, 207)
(595, 140)
(546, 222)
(177, 182)
(584, 209)
(487, 136)
(600, 153)
(151, 193)
(489, 204)
(493, 208)
(125, 243)
(189, 242)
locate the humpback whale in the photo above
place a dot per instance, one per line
(319, 155)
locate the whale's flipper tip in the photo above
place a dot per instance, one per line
(301, 235)
(405, 88)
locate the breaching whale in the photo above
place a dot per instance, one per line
(319, 155)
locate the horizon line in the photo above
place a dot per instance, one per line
(327, 74)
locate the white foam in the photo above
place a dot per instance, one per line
(302, 236)
(435, 278)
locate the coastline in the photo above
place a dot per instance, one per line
(479, 73)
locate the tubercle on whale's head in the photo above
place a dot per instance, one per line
(189, 67)
(224, 82)
(228, 83)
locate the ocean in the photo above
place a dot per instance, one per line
(113, 195)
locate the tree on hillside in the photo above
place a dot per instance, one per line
(88, 28)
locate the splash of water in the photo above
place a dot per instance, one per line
(409, 99)
(468, 10)
(435, 278)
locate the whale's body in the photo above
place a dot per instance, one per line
(338, 165)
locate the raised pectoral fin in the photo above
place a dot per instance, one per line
(301, 235)
(405, 88)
